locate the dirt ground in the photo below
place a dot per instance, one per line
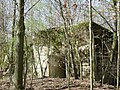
(56, 84)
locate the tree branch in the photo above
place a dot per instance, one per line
(32, 7)
(112, 29)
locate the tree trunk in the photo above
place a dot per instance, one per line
(40, 61)
(3, 15)
(20, 47)
(11, 68)
(26, 62)
(114, 44)
(91, 52)
(79, 59)
(118, 32)
(74, 63)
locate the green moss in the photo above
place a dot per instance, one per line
(80, 25)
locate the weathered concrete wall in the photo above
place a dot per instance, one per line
(53, 66)
(57, 66)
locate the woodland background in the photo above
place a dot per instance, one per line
(52, 44)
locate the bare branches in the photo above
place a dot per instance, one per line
(112, 29)
(32, 7)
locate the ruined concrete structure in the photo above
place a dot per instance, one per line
(104, 69)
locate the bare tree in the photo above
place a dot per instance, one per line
(12, 45)
(118, 32)
(20, 47)
(114, 44)
(91, 45)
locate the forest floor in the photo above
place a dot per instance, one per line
(56, 84)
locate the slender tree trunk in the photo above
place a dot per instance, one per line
(74, 63)
(20, 47)
(34, 66)
(91, 52)
(40, 61)
(11, 69)
(80, 63)
(102, 62)
(3, 15)
(118, 32)
(79, 59)
(114, 44)
(93, 63)
(26, 62)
